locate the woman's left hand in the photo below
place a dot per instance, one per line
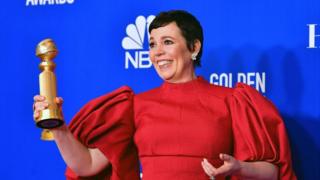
(229, 167)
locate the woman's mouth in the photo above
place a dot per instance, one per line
(164, 64)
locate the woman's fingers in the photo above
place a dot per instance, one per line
(230, 165)
(205, 169)
(206, 162)
(40, 104)
(225, 157)
(59, 100)
(37, 107)
(223, 170)
(39, 98)
(208, 168)
(36, 115)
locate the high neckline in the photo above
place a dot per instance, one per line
(186, 86)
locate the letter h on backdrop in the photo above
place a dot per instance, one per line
(312, 35)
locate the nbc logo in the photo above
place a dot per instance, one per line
(134, 43)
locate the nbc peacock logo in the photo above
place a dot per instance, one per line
(136, 43)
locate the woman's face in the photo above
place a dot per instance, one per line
(169, 54)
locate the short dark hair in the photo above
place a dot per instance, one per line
(189, 26)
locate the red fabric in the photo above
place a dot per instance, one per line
(106, 123)
(177, 125)
(259, 131)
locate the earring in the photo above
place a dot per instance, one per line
(194, 56)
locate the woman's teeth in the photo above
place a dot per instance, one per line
(163, 62)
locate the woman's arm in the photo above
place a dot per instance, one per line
(257, 170)
(261, 170)
(82, 160)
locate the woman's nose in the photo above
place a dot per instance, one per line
(159, 50)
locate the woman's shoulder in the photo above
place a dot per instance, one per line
(240, 91)
(148, 94)
(216, 90)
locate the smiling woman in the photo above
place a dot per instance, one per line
(170, 55)
(180, 124)
(173, 44)
(185, 129)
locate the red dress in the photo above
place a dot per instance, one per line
(106, 123)
(175, 126)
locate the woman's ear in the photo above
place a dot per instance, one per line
(196, 46)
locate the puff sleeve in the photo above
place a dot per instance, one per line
(107, 123)
(259, 132)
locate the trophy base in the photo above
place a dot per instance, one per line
(49, 119)
(47, 135)
(49, 123)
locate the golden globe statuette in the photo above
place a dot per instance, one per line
(51, 117)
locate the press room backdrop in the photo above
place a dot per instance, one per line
(272, 45)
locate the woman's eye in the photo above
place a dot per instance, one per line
(167, 42)
(151, 45)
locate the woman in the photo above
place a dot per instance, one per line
(184, 129)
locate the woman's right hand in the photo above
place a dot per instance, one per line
(40, 104)
(82, 160)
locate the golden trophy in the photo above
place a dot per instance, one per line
(51, 117)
